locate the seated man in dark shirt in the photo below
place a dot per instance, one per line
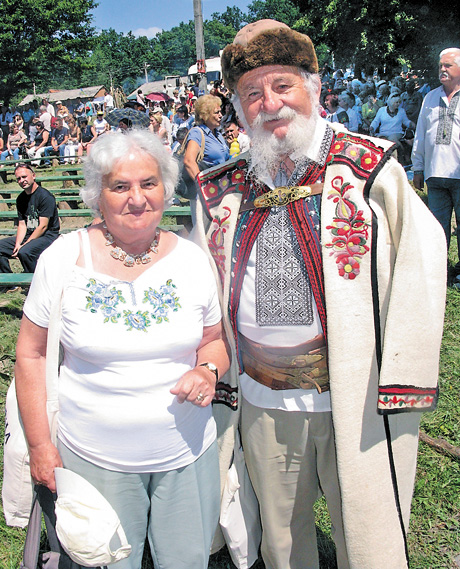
(38, 223)
(59, 137)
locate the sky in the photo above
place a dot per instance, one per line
(148, 18)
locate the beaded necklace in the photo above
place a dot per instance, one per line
(128, 259)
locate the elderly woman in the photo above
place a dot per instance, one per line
(143, 349)
(208, 116)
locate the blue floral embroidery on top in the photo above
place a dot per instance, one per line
(104, 298)
(162, 301)
(136, 320)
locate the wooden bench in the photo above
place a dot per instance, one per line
(15, 279)
(24, 279)
(175, 210)
(68, 198)
(69, 172)
(14, 192)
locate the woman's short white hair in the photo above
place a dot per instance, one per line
(114, 146)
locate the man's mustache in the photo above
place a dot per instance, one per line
(283, 113)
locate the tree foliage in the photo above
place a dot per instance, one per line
(50, 43)
(381, 35)
(42, 39)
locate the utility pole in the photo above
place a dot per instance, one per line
(146, 66)
(199, 38)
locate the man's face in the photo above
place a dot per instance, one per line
(25, 178)
(449, 71)
(331, 102)
(231, 132)
(271, 90)
(59, 124)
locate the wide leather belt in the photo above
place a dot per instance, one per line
(299, 367)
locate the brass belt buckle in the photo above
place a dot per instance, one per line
(282, 195)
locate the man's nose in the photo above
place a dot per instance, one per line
(272, 102)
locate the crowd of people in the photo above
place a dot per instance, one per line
(293, 318)
(384, 107)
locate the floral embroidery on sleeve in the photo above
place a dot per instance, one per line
(216, 241)
(349, 231)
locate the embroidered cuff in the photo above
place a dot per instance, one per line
(403, 399)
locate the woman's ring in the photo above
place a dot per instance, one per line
(200, 397)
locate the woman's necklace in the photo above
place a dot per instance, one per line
(128, 259)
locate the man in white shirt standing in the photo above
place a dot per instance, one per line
(436, 151)
(108, 103)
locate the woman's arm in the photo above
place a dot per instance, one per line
(30, 376)
(200, 380)
(190, 157)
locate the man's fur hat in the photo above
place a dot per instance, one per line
(266, 42)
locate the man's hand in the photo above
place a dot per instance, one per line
(419, 181)
(16, 250)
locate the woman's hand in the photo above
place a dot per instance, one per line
(197, 386)
(43, 460)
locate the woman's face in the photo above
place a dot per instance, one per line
(214, 119)
(371, 99)
(132, 198)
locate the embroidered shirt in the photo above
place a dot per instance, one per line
(126, 344)
(430, 152)
(286, 333)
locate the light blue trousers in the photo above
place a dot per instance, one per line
(178, 510)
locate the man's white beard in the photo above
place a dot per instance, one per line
(267, 151)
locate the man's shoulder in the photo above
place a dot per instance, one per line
(223, 179)
(43, 193)
(359, 152)
(434, 94)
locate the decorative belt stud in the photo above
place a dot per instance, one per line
(282, 195)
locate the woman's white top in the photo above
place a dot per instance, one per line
(126, 344)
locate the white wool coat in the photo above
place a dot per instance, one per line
(384, 329)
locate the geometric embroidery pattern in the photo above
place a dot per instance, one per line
(283, 294)
(446, 120)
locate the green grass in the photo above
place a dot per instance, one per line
(434, 536)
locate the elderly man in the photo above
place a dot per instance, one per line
(317, 238)
(436, 150)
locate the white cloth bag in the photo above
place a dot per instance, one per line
(239, 513)
(17, 482)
